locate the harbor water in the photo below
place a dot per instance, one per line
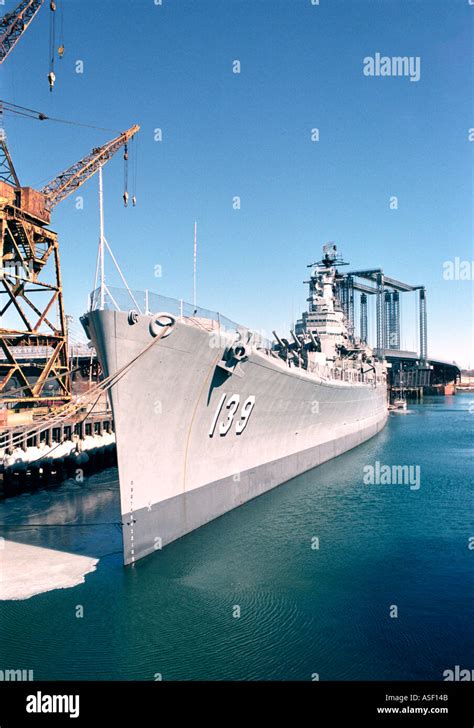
(328, 576)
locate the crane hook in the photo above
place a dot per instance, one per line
(134, 201)
(61, 51)
(51, 79)
(125, 199)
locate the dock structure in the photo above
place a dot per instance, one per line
(414, 373)
(94, 424)
(374, 282)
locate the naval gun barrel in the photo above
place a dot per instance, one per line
(314, 341)
(280, 342)
(298, 343)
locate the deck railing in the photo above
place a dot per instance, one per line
(148, 303)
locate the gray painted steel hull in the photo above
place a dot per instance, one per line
(174, 475)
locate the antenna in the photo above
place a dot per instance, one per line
(101, 242)
(331, 257)
(195, 267)
(100, 266)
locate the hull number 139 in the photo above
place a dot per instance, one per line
(229, 412)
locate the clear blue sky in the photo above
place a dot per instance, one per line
(249, 135)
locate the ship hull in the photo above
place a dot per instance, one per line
(194, 442)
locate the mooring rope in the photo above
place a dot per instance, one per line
(60, 414)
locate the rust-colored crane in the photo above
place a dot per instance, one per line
(30, 269)
(78, 173)
(14, 24)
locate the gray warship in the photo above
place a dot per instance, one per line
(209, 414)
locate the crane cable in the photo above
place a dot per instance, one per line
(18, 434)
(133, 154)
(125, 175)
(24, 111)
(61, 32)
(134, 171)
(8, 107)
(52, 44)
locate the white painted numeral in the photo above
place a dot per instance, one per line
(216, 415)
(245, 413)
(232, 406)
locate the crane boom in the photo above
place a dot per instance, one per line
(30, 277)
(7, 170)
(81, 171)
(14, 24)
